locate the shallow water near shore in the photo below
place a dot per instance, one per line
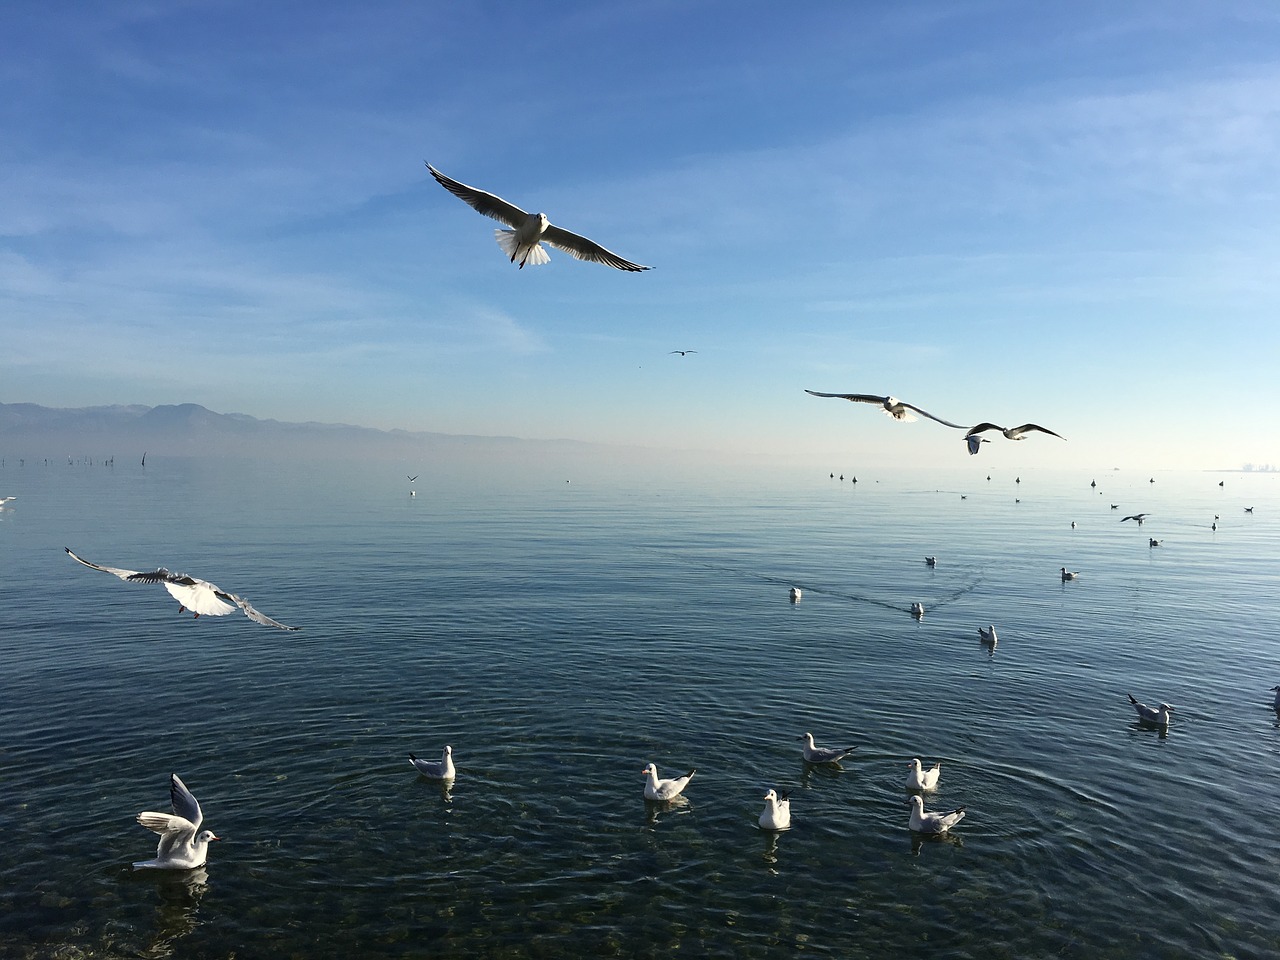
(561, 635)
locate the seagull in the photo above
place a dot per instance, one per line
(183, 845)
(988, 635)
(918, 779)
(441, 769)
(931, 561)
(1011, 433)
(684, 352)
(1153, 542)
(975, 443)
(922, 822)
(813, 754)
(796, 594)
(4, 500)
(198, 596)
(1136, 516)
(777, 812)
(1276, 689)
(898, 409)
(655, 789)
(531, 230)
(411, 479)
(1069, 574)
(1154, 716)
(1248, 509)
(917, 609)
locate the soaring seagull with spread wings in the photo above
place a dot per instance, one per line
(198, 596)
(898, 409)
(530, 230)
(1012, 433)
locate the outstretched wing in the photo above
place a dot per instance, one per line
(487, 203)
(926, 413)
(122, 574)
(185, 805)
(585, 249)
(983, 428)
(1028, 427)
(252, 612)
(855, 397)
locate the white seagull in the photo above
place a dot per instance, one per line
(988, 635)
(922, 822)
(198, 596)
(917, 609)
(975, 443)
(777, 812)
(898, 409)
(655, 789)
(4, 500)
(815, 754)
(531, 230)
(1155, 716)
(183, 845)
(1068, 574)
(796, 594)
(1011, 433)
(1136, 516)
(919, 779)
(931, 561)
(435, 770)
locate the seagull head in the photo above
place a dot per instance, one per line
(206, 836)
(1166, 707)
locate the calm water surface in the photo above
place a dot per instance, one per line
(559, 636)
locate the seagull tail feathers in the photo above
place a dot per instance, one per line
(534, 256)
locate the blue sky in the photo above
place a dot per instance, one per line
(1062, 213)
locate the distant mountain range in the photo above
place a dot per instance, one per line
(188, 429)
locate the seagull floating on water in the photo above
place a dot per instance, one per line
(796, 594)
(183, 845)
(917, 609)
(531, 230)
(1069, 574)
(1011, 433)
(898, 409)
(4, 500)
(815, 754)
(931, 561)
(988, 635)
(441, 769)
(920, 779)
(655, 789)
(1153, 542)
(198, 596)
(1276, 689)
(777, 811)
(922, 822)
(1153, 716)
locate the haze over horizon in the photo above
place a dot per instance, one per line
(997, 212)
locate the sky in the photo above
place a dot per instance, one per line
(998, 211)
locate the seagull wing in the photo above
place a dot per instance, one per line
(926, 413)
(253, 613)
(983, 428)
(122, 574)
(486, 203)
(585, 249)
(855, 397)
(1028, 427)
(185, 805)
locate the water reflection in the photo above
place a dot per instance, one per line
(654, 809)
(770, 851)
(177, 914)
(918, 840)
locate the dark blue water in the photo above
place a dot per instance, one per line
(561, 635)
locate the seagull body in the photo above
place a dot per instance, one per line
(1153, 542)
(815, 754)
(655, 789)
(796, 594)
(1068, 574)
(988, 635)
(530, 230)
(1154, 716)
(1136, 516)
(1011, 433)
(898, 409)
(920, 779)
(917, 609)
(684, 353)
(441, 769)
(931, 561)
(183, 845)
(922, 822)
(198, 596)
(777, 812)
(975, 443)
(4, 500)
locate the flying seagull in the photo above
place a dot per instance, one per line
(975, 443)
(684, 352)
(1011, 433)
(198, 596)
(898, 409)
(183, 846)
(1136, 516)
(531, 230)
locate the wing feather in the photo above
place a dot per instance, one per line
(585, 249)
(489, 204)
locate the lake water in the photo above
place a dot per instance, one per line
(562, 635)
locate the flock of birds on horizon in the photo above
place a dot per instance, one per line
(183, 845)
